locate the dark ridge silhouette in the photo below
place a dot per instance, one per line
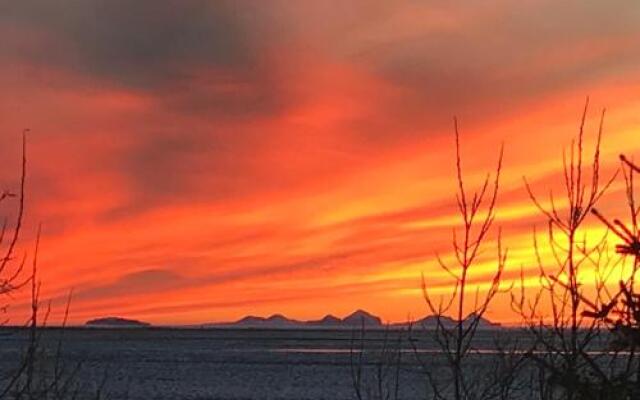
(279, 321)
(431, 321)
(116, 322)
(251, 321)
(327, 320)
(354, 320)
(361, 317)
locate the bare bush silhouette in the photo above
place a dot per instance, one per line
(375, 373)
(11, 269)
(41, 373)
(12, 277)
(456, 342)
(567, 350)
(581, 335)
(619, 308)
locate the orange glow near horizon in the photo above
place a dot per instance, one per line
(303, 164)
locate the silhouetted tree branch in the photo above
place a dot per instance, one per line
(477, 212)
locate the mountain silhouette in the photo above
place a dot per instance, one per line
(327, 320)
(361, 317)
(274, 321)
(354, 320)
(431, 321)
(277, 321)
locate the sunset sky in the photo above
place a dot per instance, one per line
(195, 161)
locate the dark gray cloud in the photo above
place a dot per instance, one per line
(161, 43)
(212, 67)
(497, 55)
(142, 43)
(200, 61)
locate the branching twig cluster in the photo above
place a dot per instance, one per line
(41, 373)
(375, 373)
(560, 314)
(477, 211)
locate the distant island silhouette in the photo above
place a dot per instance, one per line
(356, 319)
(116, 322)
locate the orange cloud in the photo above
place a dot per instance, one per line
(300, 160)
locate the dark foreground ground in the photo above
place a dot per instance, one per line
(231, 363)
